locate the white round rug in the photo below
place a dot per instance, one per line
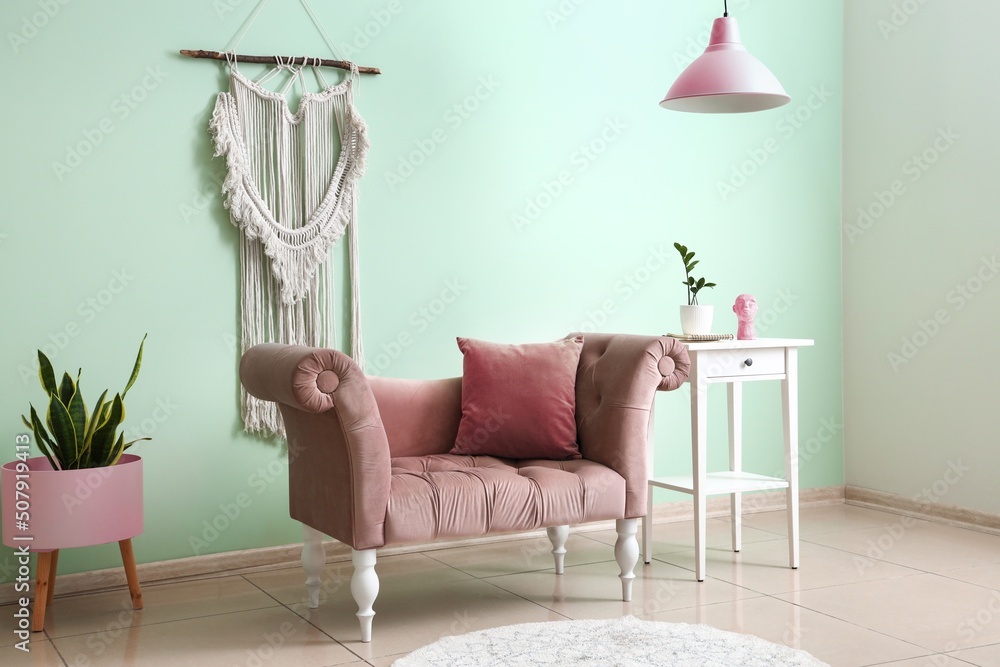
(620, 642)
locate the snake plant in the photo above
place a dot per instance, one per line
(80, 438)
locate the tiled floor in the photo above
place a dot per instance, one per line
(874, 589)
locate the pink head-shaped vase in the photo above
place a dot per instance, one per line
(745, 309)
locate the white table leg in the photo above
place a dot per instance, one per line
(736, 459)
(699, 425)
(790, 408)
(647, 527)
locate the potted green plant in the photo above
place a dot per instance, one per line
(695, 318)
(84, 491)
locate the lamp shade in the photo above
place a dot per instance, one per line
(726, 78)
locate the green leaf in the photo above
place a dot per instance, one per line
(66, 389)
(42, 438)
(690, 281)
(78, 413)
(688, 257)
(61, 425)
(692, 265)
(132, 442)
(709, 284)
(681, 249)
(135, 368)
(102, 444)
(701, 283)
(117, 450)
(95, 420)
(45, 373)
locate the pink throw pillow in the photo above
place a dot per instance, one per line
(519, 401)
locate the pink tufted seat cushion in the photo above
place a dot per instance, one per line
(448, 496)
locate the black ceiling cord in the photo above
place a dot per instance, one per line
(725, 4)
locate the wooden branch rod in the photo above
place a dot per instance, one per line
(270, 60)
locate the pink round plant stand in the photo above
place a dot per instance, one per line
(71, 508)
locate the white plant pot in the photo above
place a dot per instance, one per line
(696, 319)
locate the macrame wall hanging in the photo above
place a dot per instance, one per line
(291, 189)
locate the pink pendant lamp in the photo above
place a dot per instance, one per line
(726, 78)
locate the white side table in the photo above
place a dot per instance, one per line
(734, 362)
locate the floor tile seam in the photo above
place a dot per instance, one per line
(931, 519)
(927, 521)
(707, 577)
(721, 581)
(174, 620)
(551, 568)
(537, 604)
(919, 570)
(145, 587)
(396, 655)
(324, 632)
(277, 601)
(851, 623)
(547, 569)
(944, 574)
(360, 657)
(916, 657)
(916, 569)
(955, 657)
(857, 625)
(43, 639)
(540, 569)
(811, 533)
(476, 576)
(811, 588)
(58, 652)
(961, 660)
(745, 544)
(696, 606)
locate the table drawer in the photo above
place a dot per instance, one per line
(742, 363)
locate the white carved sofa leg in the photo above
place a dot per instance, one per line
(558, 536)
(364, 588)
(313, 562)
(626, 553)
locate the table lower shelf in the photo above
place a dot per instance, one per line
(720, 483)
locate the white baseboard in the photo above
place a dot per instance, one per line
(949, 514)
(274, 558)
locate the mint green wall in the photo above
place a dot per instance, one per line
(545, 92)
(920, 289)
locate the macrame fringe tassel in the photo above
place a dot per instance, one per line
(290, 169)
(357, 346)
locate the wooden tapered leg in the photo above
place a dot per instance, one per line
(43, 572)
(128, 560)
(53, 566)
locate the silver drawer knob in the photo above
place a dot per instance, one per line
(748, 362)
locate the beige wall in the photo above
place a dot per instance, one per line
(921, 243)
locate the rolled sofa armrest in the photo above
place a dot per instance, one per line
(338, 454)
(617, 380)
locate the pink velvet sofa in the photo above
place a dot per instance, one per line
(369, 463)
